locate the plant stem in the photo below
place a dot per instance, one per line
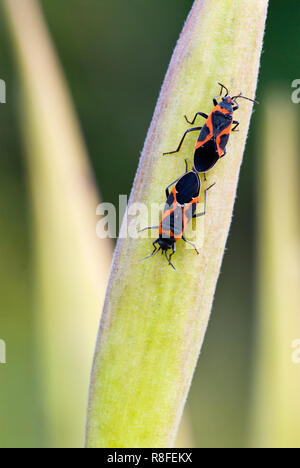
(155, 319)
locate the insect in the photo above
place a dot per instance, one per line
(214, 135)
(179, 209)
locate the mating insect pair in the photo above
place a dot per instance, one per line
(210, 147)
(180, 208)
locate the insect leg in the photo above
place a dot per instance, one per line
(191, 243)
(205, 202)
(171, 254)
(155, 251)
(172, 183)
(236, 107)
(186, 166)
(193, 129)
(169, 261)
(193, 121)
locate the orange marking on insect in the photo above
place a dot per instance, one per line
(168, 234)
(186, 207)
(226, 131)
(167, 213)
(222, 110)
(209, 123)
(209, 136)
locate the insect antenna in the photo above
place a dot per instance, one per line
(147, 228)
(155, 251)
(223, 87)
(240, 96)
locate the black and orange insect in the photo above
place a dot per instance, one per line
(179, 209)
(214, 135)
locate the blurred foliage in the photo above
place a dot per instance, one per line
(71, 264)
(275, 411)
(114, 56)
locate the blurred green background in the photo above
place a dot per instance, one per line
(114, 55)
